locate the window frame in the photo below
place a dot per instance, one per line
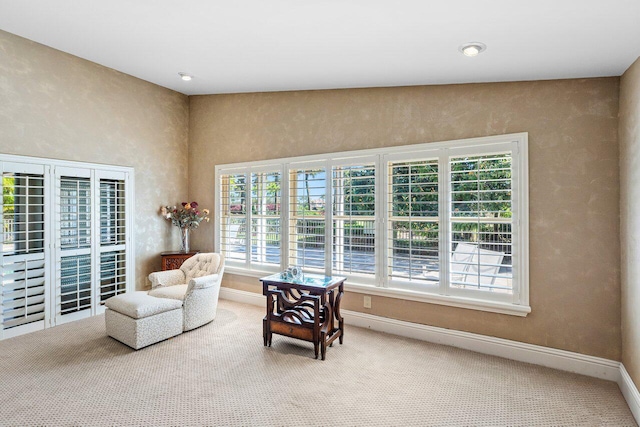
(516, 303)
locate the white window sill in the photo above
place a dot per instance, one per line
(453, 301)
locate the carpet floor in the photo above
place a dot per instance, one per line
(221, 374)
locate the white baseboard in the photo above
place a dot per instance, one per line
(514, 350)
(630, 392)
(544, 356)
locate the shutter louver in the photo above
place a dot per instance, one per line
(23, 290)
(354, 222)
(112, 212)
(413, 212)
(265, 218)
(113, 260)
(75, 213)
(112, 274)
(307, 196)
(234, 217)
(481, 221)
(23, 258)
(75, 284)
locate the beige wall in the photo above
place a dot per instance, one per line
(59, 106)
(574, 184)
(629, 135)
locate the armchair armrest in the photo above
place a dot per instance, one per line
(166, 278)
(204, 281)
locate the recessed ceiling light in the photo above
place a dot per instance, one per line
(184, 76)
(472, 48)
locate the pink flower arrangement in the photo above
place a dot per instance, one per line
(186, 216)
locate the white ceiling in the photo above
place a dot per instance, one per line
(276, 45)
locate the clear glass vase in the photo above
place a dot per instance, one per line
(184, 239)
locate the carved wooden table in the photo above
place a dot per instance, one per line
(307, 308)
(173, 260)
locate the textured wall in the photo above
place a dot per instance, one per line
(59, 106)
(574, 185)
(629, 135)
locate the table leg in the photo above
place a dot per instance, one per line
(267, 320)
(323, 344)
(264, 330)
(336, 311)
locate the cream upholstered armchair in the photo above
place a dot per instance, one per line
(196, 283)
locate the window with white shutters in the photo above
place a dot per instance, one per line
(23, 251)
(74, 196)
(233, 188)
(307, 199)
(481, 223)
(113, 274)
(266, 199)
(66, 241)
(442, 222)
(73, 269)
(113, 260)
(413, 232)
(354, 220)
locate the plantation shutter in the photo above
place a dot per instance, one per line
(74, 269)
(413, 232)
(307, 202)
(354, 221)
(24, 267)
(266, 198)
(233, 215)
(112, 235)
(481, 223)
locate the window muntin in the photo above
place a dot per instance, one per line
(439, 232)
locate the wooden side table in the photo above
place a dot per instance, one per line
(173, 260)
(307, 308)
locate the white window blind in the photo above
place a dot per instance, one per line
(73, 267)
(481, 223)
(74, 293)
(233, 188)
(74, 195)
(113, 274)
(113, 259)
(307, 199)
(23, 258)
(266, 221)
(354, 220)
(112, 212)
(413, 226)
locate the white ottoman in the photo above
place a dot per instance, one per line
(138, 320)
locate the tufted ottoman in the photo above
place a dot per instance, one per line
(138, 320)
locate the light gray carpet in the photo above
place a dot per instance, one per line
(221, 374)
